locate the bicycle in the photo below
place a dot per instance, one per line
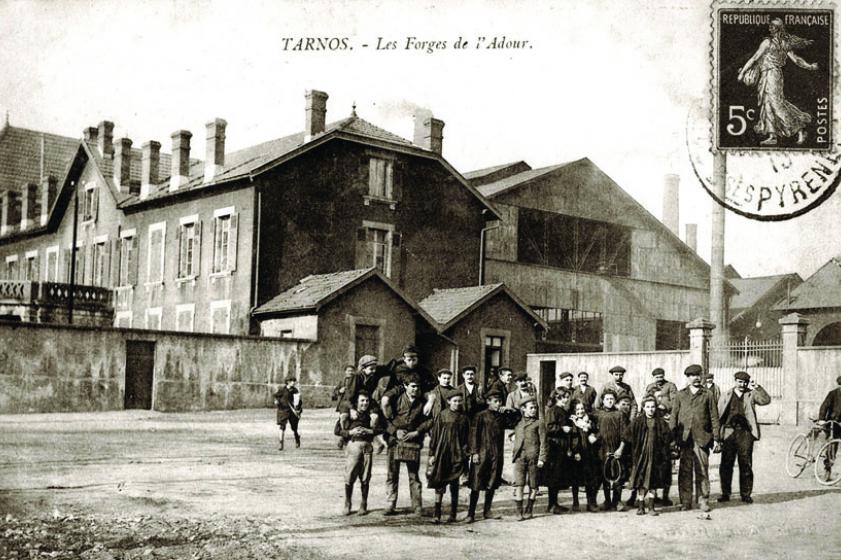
(801, 452)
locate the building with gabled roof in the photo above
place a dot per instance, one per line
(752, 312)
(604, 273)
(818, 299)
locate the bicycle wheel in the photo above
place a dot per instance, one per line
(799, 455)
(827, 468)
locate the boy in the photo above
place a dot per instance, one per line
(528, 455)
(359, 434)
(289, 409)
(408, 364)
(584, 393)
(436, 399)
(338, 395)
(487, 452)
(447, 453)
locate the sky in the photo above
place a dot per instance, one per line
(609, 80)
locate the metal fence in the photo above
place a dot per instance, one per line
(762, 359)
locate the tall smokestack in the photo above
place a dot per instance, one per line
(671, 202)
(692, 236)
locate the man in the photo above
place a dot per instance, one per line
(695, 422)
(620, 388)
(519, 395)
(502, 384)
(831, 410)
(584, 392)
(289, 409)
(474, 400)
(406, 430)
(662, 390)
(739, 429)
(709, 385)
(436, 399)
(563, 383)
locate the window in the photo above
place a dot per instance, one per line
(185, 317)
(89, 202)
(573, 243)
(122, 319)
(380, 178)
(99, 263)
(286, 333)
(11, 267)
(220, 317)
(30, 267)
(80, 264)
(367, 340)
(51, 274)
(493, 354)
(571, 330)
(378, 250)
(155, 263)
(153, 318)
(189, 247)
(128, 260)
(225, 225)
(671, 335)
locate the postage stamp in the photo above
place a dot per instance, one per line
(774, 77)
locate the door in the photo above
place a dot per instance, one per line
(140, 364)
(547, 379)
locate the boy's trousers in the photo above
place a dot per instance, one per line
(392, 480)
(358, 463)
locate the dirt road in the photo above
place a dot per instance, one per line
(214, 485)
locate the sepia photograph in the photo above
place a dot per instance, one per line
(290, 279)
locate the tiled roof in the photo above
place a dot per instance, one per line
(820, 290)
(471, 175)
(492, 189)
(20, 156)
(242, 162)
(446, 305)
(312, 291)
(751, 290)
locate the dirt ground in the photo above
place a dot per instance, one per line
(146, 485)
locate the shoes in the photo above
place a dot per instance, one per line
(723, 498)
(297, 443)
(281, 447)
(418, 511)
(390, 509)
(747, 499)
(340, 444)
(704, 505)
(685, 507)
(666, 502)
(470, 519)
(576, 507)
(620, 507)
(591, 508)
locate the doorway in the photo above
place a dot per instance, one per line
(140, 365)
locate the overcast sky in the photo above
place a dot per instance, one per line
(610, 80)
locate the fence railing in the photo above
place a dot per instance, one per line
(54, 293)
(762, 359)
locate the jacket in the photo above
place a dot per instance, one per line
(750, 399)
(529, 440)
(695, 416)
(831, 406)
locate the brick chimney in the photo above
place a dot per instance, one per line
(49, 189)
(671, 202)
(315, 113)
(30, 212)
(9, 212)
(149, 167)
(692, 236)
(105, 138)
(122, 165)
(90, 134)
(429, 132)
(180, 174)
(214, 159)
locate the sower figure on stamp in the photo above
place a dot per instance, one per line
(448, 453)
(694, 420)
(777, 116)
(487, 450)
(739, 430)
(289, 409)
(359, 451)
(406, 430)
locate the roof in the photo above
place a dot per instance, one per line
(731, 272)
(315, 291)
(491, 190)
(821, 290)
(21, 156)
(751, 290)
(491, 174)
(449, 306)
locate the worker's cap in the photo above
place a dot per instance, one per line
(494, 395)
(452, 393)
(474, 369)
(367, 360)
(658, 371)
(291, 378)
(443, 371)
(526, 401)
(741, 376)
(584, 373)
(617, 369)
(521, 376)
(623, 397)
(694, 369)
(410, 350)
(565, 374)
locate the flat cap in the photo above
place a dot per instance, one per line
(452, 393)
(580, 373)
(367, 360)
(527, 400)
(615, 369)
(521, 376)
(694, 369)
(741, 376)
(565, 375)
(495, 394)
(624, 397)
(658, 371)
(410, 349)
(474, 369)
(443, 371)
(709, 375)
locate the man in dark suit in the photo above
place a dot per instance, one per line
(739, 429)
(584, 392)
(694, 419)
(831, 410)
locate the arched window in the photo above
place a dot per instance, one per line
(830, 335)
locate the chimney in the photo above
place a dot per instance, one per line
(9, 212)
(30, 212)
(214, 158)
(180, 174)
(671, 202)
(105, 138)
(90, 134)
(49, 188)
(122, 165)
(149, 167)
(315, 113)
(429, 132)
(692, 236)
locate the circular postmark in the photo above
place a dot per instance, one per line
(766, 186)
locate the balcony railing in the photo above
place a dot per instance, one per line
(54, 293)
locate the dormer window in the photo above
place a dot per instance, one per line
(89, 202)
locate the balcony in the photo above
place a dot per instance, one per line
(48, 302)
